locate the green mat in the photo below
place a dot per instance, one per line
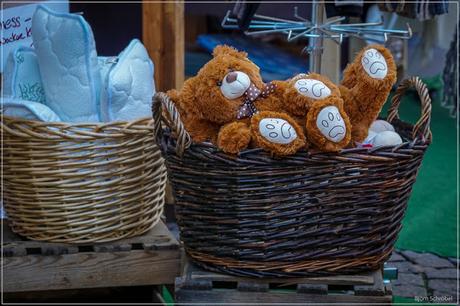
(431, 219)
(408, 301)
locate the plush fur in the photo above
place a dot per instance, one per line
(209, 110)
(234, 137)
(313, 133)
(305, 110)
(208, 115)
(277, 149)
(364, 96)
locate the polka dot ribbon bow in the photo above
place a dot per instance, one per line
(248, 109)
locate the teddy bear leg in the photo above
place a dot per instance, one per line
(328, 126)
(373, 68)
(366, 86)
(359, 133)
(277, 133)
(234, 137)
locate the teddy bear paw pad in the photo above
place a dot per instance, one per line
(374, 64)
(312, 88)
(331, 124)
(277, 130)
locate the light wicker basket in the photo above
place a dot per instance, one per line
(80, 183)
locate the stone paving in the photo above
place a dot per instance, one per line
(425, 277)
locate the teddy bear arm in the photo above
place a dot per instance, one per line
(349, 79)
(234, 137)
(362, 110)
(277, 133)
(350, 104)
(200, 130)
(328, 126)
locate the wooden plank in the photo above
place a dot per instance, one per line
(251, 286)
(119, 295)
(90, 270)
(357, 279)
(209, 297)
(150, 259)
(312, 288)
(205, 287)
(375, 289)
(163, 36)
(157, 238)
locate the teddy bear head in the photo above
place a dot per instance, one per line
(218, 90)
(303, 90)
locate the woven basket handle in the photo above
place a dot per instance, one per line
(422, 127)
(161, 102)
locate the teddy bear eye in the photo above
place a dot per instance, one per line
(219, 83)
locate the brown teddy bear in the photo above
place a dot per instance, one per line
(218, 103)
(228, 104)
(354, 105)
(315, 103)
(365, 87)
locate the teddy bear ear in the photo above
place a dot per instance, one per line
(224, 49)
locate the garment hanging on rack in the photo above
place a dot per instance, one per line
(450, 78)
(348, 8)
(421, 9)
(244, 11)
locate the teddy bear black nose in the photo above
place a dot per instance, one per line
(231, 77)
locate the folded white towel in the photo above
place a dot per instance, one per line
(129, 85)
(67, 57)
(22, 76)
(28, 110)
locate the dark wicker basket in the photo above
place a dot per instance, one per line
(313, 213)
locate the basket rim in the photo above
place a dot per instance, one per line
(67, 123)
(74, 131)
(356, 154)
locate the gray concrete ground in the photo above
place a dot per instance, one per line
(425, 277)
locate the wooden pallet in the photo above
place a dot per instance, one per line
(200, 286)
(150, 259)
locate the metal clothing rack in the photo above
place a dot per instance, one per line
(316, 30)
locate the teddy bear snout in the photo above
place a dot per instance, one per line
(235, 84)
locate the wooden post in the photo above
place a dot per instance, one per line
(163, 36)
(331, 59)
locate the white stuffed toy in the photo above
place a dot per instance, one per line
(382, 133)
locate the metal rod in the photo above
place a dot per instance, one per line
(315, 44)
(276, 19)
(316, 30)
(271, 31)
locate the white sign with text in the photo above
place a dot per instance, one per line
(16, 23)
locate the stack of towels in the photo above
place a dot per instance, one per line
(63, 79)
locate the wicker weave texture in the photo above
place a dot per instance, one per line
(79, 183)
(313, 213)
